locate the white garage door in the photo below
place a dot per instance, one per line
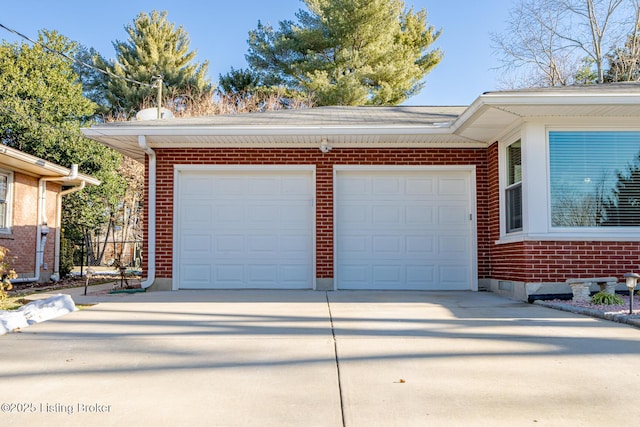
(404, 229)
(244, 229)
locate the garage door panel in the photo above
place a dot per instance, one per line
(254, 229)
(420, 274)
(197, 244)
(419, 246)
(386, 274)
(453, 215)
(228, 186)
(386, 185)
(381, 215)
(197, 274)
(453, 246)
(354, 244)
(389, 245)
(401, 229)
(197, 215)
(454, 277)
(229, 244)
(419, 215)
(295, 247)
(296, 187)
(353, 187)
(451, 187)
(354, 275)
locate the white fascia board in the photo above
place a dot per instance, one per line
(42, 167)
(443, 129)
(497, 100)
(560, 98)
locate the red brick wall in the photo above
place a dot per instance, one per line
(166, 158)
(551, 261)
(22, 240)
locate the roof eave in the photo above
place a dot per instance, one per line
(40, 167)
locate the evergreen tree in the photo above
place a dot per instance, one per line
(155, 48)
(41, 111)
(347, 52)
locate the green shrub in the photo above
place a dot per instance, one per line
(66, 257)
(6, 274)
(602, 298)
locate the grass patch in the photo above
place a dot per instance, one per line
(11, 303)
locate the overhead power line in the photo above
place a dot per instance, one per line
(77, 61)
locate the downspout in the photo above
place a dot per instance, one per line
(56, 264)
(42, 229)
(151, 217)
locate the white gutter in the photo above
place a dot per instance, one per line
(151, 217)
(42, 229)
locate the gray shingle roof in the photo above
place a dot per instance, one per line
(320, 116)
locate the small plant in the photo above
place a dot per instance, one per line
(6, 274)
(602, 298)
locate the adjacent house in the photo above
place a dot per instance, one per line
(515, 193)
(31, 191)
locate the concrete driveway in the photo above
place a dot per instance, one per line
(304, 358)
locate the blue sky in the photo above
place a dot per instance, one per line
(218, 31)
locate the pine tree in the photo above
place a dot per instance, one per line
(348, 52)
(155, 48)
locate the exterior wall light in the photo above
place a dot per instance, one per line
(325, 147)
(631, 281)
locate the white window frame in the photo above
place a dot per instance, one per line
(6, 228)
(504, 178)
(606, 233)
(536, 190)
(508, 187)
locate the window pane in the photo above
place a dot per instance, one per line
(514, 208)
(595, 178)
(514, 163)
(3, 199)
(513, 193)
(3, 188)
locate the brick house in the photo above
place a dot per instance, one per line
(31, 191)
(515, 193)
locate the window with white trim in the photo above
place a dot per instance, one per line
(513, 189)
(6, 181)
(594, 178)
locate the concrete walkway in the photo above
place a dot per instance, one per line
(268, 358)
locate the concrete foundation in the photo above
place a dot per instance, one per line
(522, 291)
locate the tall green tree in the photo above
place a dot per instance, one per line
(41, 111)
(348, 52)
(155, 47)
